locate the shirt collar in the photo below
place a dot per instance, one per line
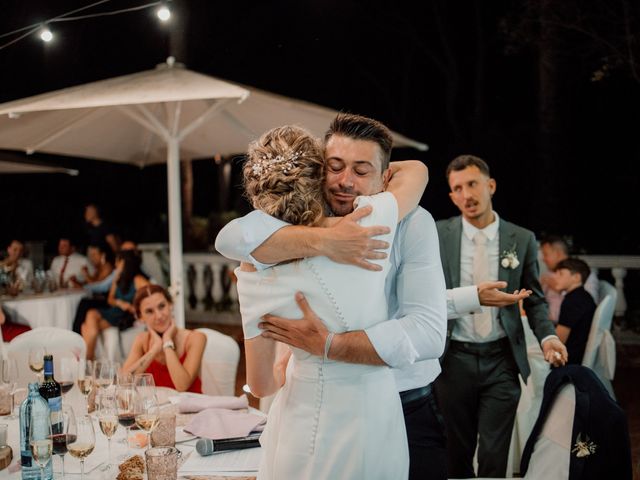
(490, 230)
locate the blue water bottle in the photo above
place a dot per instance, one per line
(33, 404)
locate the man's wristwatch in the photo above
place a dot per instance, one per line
(169, 344)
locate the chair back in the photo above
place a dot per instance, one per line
(219, 363)
(602, 319)
(605, 288)
(551, 453)
(599, 354)
(58, 342)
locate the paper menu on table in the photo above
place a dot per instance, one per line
(246, 460)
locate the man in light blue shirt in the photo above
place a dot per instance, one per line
(413, 338)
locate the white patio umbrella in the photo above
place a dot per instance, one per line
(10, 167)
(155, 116)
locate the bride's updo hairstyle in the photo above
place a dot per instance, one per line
(284, 174)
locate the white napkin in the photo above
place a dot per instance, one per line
(218, 423)
(194, 403)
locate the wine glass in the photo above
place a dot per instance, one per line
(105, 373)
(85, 379)
(108, 419)
(125, 404)
(36, 360)
(145, 384)
(9, 376)
(65, 375)
(67, 435)
(147, 414)
(40, 441)
(85, 441)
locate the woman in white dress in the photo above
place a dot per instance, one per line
(330, 420)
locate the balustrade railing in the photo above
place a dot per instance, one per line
(210, 284)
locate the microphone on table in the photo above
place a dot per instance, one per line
(206, 447)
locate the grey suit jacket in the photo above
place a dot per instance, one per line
(524, 276)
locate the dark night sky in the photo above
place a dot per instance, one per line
(438, 72)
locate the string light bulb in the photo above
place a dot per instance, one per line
(45, 34)
(163, 13)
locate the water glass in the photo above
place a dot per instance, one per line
(162, 463)
(164, 434)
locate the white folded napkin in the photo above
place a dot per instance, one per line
(194, 403)
(218, 423)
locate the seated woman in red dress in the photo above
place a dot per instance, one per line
(172, 355)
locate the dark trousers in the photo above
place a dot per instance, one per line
(427, 441)
(478, 392)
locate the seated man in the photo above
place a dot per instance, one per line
(577, 308)
(68, 263)
(555, 249)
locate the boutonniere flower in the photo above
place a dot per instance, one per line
(509, 259)
(583, 448)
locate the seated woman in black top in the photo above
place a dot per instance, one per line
(577, 308)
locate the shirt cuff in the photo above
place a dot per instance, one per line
(392, 344)
(548, 337)
(465, 299)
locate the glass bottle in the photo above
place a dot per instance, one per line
(50, 390)
(33, 404)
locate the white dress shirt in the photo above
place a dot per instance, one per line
(74, 267)
(463, 329)
(413, 338)
(23, 271)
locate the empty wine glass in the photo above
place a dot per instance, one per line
(147, 414)
(145, 384)
(40, 441)
(104, 373)
(85, 379)
(36, 360)
(85, 441)
(108, 419)
(66, 436)
(65, 374)
(9, 377)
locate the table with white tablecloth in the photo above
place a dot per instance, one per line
(54, 309)
(237, 465)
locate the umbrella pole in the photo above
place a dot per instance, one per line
(175, 229)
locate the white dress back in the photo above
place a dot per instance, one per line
(331, 419)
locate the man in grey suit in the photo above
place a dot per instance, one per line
(478, 389)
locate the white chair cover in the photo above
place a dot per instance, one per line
(600, 352)
(58, 342)
(108, 344)
(219, 363)
(551, 456)
(530, 398)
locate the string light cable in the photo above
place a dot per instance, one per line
(163, 13)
